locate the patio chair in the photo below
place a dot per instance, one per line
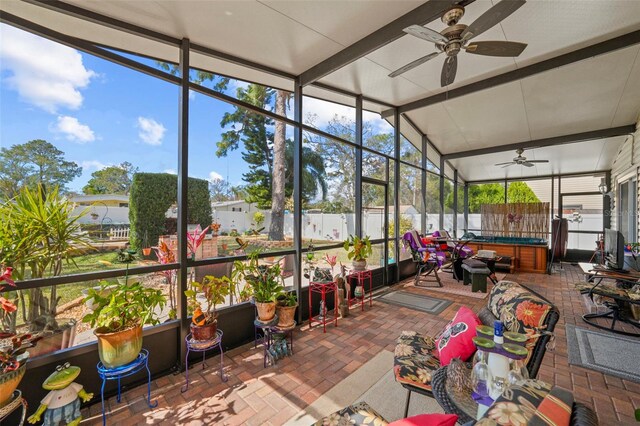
(458, 252)
(427, 259)
(416, 363)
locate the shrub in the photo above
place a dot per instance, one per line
(152, 194)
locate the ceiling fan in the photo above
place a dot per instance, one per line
(456, 37)
(520, 160)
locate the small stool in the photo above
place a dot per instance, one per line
(475, 272)
(141, 362)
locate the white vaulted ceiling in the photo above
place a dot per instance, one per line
(291, 36)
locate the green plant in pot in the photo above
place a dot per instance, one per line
(13, 364)
(263, 282)
(286, 304)
(211, 291)
(118, 319)
(358, 250)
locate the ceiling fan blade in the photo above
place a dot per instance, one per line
(449, 71)
(491, 17)
(412, 65)
(527, 164)
(508, 163)
(538, 161)
(426, 34)
(496, 48)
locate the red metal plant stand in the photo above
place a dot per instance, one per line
(360, 277)
(323, 288)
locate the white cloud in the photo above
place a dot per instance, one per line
(171, 171)
(93, 164)
(324, 111)
(45, 74)
(213, 175)
(150, 131)
(74, 130)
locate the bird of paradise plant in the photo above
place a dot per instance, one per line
(165, 255)
(7, 306)
(194, 239)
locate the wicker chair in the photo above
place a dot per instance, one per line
(436, 387)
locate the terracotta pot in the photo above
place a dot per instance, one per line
(359, 265)
(286, 315)
(120, 347)
(62, 338)
(9, 382)
(204, 332)
(266, 311)
(146, 251)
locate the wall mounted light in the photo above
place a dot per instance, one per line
(603, 187)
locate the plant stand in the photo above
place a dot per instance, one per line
(360, 277)
(16, 402)
(323, 288)
(141, 362)
(269, 350)
(203, 346)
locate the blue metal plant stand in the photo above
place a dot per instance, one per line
(141, 362)
(203, 346)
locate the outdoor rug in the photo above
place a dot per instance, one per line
(373, 383)
(415, 301)
(451, 286)
(606, 352)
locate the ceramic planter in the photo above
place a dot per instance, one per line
(266, 311)
(286, 315)
(120, 347)
(9, 382)
(359, 265)
(204, 332)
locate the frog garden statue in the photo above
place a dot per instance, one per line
(62, 403)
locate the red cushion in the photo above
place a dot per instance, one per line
(427, 420)
(456, 339)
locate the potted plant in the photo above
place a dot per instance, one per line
(13, 364)
(118, 319)
(213, 291)
(286, 304)
(358, 250)
(215, 228)
(263, 282)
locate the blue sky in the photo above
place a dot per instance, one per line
(100, 114)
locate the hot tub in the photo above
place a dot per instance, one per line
(528, 254)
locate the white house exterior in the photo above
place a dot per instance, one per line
(102, 209)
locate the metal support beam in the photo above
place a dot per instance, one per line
(421, 15)
(506, 186)
(616, 43)
(556, 140)
(466, 207)
(606, 203)
(183, 180)
(455, 203)
(297, 192)
(396, 192)
(423, 216)
(441, 195)
(358, 177)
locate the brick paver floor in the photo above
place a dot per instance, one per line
(269, 396)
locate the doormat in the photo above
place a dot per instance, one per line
(606, 352)
(415, 301)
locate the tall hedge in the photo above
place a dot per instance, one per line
(152, 194)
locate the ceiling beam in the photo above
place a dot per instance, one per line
(539, 143)
(607, 46)
(421, 15)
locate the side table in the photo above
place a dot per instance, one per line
(360, 278)
(141, 362)
(17, 401)
(323, 288)
(203, 346)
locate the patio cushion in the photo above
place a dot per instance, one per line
(456, 338)
(519, 310)
(433, 419)
(415, 360)
(357, 414)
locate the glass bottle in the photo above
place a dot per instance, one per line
(498, 363)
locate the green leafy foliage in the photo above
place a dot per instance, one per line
(34, 163)
(263, 282)
(358, 248)
(124, 305)
(152, 194)
(212, 290)
(287, 299)
(111, 180)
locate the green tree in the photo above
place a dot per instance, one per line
(34, 163)
(519, 192)
(493, 193)
(220, 190)
(111, 180)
